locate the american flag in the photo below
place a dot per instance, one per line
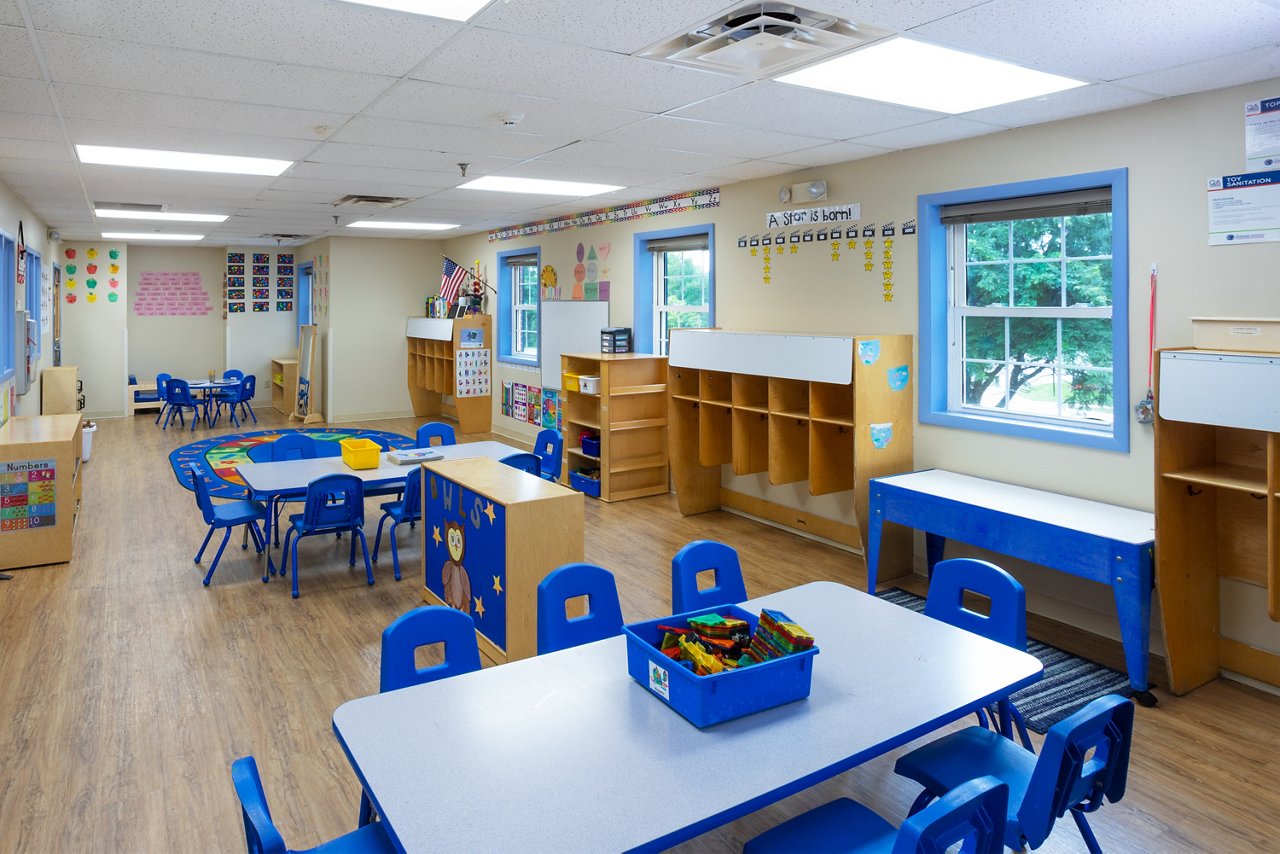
(451, 280)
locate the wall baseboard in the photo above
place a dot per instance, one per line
(796, 520)
(348, 417)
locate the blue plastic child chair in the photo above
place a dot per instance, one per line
(603, 619)
(435, 430)
(321, 515)
(178, 395)
(233, 374)
(162, 393)
(973, 812)
(229, 397)
(248, 389)
(408, 508)
(526, 462)
(700, 556)
(226, 516)
(549, 446)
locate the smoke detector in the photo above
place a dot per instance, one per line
(762, 40)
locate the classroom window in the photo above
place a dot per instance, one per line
(8, 305)
(1023, 327)
(520, 296)
(676, 287)
(33, 292)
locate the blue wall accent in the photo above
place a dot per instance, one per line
(642, 292)
(503, 313)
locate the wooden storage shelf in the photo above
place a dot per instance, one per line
(284, 385)
(40, 462)
(433, 344)
(797, 407)
(631, 416)
(1217, 506)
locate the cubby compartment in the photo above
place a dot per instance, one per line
(751, 392)
(830, 457)
(683, 382)
(788, 449)
(715, 387)
(750, 441)
(432, 376)
(789, 397)
(715, 434)
(831, 402)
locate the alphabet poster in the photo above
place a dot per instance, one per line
(472, 367)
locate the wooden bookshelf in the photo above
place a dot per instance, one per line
(433, 344)
(284, 385)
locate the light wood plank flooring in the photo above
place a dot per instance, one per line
(127, 688)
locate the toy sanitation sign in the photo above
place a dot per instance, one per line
(814, 216)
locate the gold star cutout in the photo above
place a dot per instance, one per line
(435, 534)
(479, 607)
(488, 511)
(888, 265)
(888, 275)
(497, 585)
(888, 253)
(835, 256)
(889, 243)
(868, 255)
(867, 244)
(768, 250)
(853, 244)
(888, 297)
(794, 249)
(767, 280)
(754, 252)
(868, 266)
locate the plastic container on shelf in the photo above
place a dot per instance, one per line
(86, 444)
(571, 382)
(590, 444)
(360, 453)
(584, 484)
(589, 385)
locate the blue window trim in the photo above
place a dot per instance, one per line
(306, 270)
(934, 328)
(35, 269)
(642, 313)
(504, 308)
(8, 304)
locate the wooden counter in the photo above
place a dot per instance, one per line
(40, 486)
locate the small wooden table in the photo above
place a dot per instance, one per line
(1101, 542)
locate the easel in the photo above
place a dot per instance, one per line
(306, 369)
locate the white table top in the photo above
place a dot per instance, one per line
(294, 475)
(566, 752)
(212, 383)
(1091, 517)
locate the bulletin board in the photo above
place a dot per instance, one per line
(569, 327)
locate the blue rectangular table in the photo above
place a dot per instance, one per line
(1101, 542)
(566, 752)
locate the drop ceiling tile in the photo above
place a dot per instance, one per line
(83, 132)
(274, 196)
(1235, 69)
(405, 158)
(618, 27)
(930, 133)
(37, 182)
(17, 59)
(836, 152)
(751, 170)
(322, 34)
(56, 196)
(418, 100)
(368, 130)
(410, 180)
(34, 149)
(9, 13)
(608, 154)
(27, 126)
(896, 15)
(531, 67)
(1098, 98)
(710, 138)
(97, 62)
(20, 95)
(768, 105)
(38, 168)
(1104, 40)
(551, 171)
(484, 201)
(169, 179)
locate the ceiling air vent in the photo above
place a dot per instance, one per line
(761, 40)
(285, 238)
(357, 200)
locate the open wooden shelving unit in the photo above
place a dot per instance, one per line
(630, 415)
(432, 376)
(284, 385)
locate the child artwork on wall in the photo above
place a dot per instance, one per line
(235, 269)
(262, 281)
(262, 306)
(262, 293)
(235, 307)
(235, 257)
(261, 258)
(519, 402)
(284, 305)
(506, 398)
(550, 407)
(284, 258)
(534, 413)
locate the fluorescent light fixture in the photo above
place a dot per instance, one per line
(404, 226)
(929, 77)
(148, 235)
(114, 213)
(453, 10)
(500, 184)
(189, 161)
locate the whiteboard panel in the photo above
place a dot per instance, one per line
(433, 328)
(1226, 389)
(568, 327)
(816, 358)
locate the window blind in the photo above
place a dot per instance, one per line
(1075, 203)
(678, 244)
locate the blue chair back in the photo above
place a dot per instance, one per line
(427, 625)
(293, 446)
(334, 501)
(604, 615)
(435, 430)
(549, 446)
(412, 499)
(1084, 759)
(178, 392)
(976, 809)
(260, 832)
(201, 488)
(249, 387)
(232, 374)
(526, 462)
(260, 453)
(1007, 622)
(162, 385)
(700, 556)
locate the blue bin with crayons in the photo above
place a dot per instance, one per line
(707, 700)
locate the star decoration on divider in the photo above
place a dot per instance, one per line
(435, 534)
(488, 511)
(479, 607)
(497, 585)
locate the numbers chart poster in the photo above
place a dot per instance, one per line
(28, 496)
(472, 368)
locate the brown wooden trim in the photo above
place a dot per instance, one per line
(1249, 661)
(818, 526)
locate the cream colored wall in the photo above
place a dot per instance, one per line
(187, 347)
(317, 254)
(375, 284)
(254, 338)
(12, 211)
(95, 333)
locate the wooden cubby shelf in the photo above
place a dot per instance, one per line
(432, 372)
(630, 417)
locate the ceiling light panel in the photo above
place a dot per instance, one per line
(453, 10)
(116, 213)
(146, 235)
(187, 161)
(501, 184)
(928, 77)
(403, 226)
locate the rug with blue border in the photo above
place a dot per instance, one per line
(221, 454)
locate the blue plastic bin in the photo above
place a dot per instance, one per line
(586, 485)
(707, 700)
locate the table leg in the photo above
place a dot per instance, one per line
(875, 525)
(1131, 583)
(935, 546)
(266, 539)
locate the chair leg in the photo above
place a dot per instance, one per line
(295, 561)
(366, 810)
(395, 551)
(364, 546)
(163, 408)
(377, 540)
(252, 530)
(255, 418)
(200, 553)
(352, 560)
(1090, 841)
(922, 800)
(217, 557)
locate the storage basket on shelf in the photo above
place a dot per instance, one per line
(590, 444)
(571, 382)
(360, 453)
(585, 483)
(707, 700)
(589, 385)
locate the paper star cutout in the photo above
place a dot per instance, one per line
(768, 250)
(479, 607)
(888, 275)
(888, 297)
(794, 249)
(835, 256)
(767, 280)
(868, 255)
(867, 244)
(868, 266)
(488, 511)
(497, 585)
(888, 265)
(853, 244)
(754, 252)
(889, 243)
(435, 534)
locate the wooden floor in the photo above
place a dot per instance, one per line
(127, 688)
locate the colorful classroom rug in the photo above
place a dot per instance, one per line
(1069, 682)
(221, 454)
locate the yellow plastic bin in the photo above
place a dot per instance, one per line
(360, 453)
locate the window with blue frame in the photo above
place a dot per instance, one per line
(1024, 324)
(674, 284)
(8, 305)
(519, 302)
(34, 272)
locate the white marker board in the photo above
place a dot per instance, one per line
(569, 327)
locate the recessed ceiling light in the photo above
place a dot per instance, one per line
(115, 213)
(501, 184)
(404, 226)
(148, 235)
(929, 77)
(454, 10)
(190, 161)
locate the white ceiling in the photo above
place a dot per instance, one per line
(375, 102)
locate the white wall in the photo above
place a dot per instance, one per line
(187, 346)
(253, 339)
(94, 328)
(12, 211)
